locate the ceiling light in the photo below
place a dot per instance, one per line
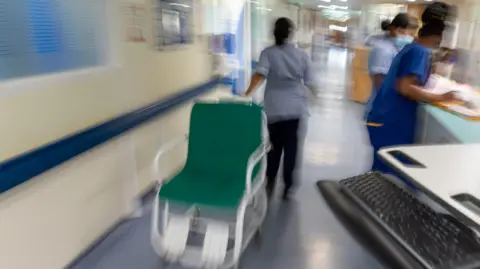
(328, 1)
(410, 0)
(339, 7)
(180, 5)
(343, 0)
(333, 7)
(338, 28)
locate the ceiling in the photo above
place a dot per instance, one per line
(352, 4)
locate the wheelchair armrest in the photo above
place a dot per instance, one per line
(172, 144)
(253, 160)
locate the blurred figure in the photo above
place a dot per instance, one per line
(383, 52)
(393, 117)
(287, 70)
(413, 26)
(444, 65)
(371, 40)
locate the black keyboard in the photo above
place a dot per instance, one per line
(437, 240)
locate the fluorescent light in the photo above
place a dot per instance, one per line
(410, 0)
(343, 0)
(180, 5)
(338, 28)
(339, 7)
(333, 7)
(255, 2)
(328, 1)
(264, 8)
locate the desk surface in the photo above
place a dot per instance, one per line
(449, 170)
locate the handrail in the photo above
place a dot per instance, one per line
(24, 167)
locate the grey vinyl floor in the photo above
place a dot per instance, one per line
(299, 234)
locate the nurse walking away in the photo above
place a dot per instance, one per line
(287, 70)
(393, 116)
(383, 52)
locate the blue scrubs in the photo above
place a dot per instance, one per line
(392, 118)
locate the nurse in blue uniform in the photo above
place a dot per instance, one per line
(393, 115)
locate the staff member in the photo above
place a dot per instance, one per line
(384, 51)
(393, 116)
(371, 40)
(289, 73)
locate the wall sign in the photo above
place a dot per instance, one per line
(173, 23)
(135, 23)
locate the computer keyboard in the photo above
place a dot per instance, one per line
(437, 240)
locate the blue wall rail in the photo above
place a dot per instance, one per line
(22, 168)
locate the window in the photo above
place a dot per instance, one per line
(46, 36)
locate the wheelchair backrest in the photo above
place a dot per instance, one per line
(223, 135)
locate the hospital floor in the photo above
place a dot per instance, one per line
(301, 233)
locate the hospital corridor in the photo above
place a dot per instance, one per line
(146, 134)
(301, 233)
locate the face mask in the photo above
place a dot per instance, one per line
(402, 41)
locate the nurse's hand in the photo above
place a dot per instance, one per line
(247, 93)
(448, 97)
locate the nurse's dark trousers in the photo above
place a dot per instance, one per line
(387, 136)
(284, 137)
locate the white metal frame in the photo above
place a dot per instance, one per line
(243, 231)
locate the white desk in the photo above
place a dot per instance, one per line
(449, 170)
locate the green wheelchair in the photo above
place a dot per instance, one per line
(219, 196)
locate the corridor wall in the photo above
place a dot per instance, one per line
(51, 219)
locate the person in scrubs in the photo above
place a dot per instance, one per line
(384, 51)
(371, 40)
(288, 72)
(393, 115)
